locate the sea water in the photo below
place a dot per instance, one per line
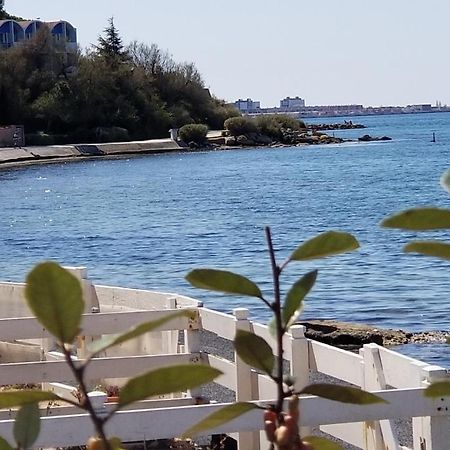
(144, 222)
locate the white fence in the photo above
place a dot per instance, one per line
(28, 355)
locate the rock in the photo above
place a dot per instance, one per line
(335, 126)
(230, 140)
(263, 139)
(365, 138)
(217, 140)
(245, 140)
(343, 334)
(368, 138)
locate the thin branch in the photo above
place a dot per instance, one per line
(86, 402)
(279, 325)
(266, 302)
(283, 266)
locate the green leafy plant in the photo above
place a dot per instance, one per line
(281, 425)
(274, 125)
(193, 133)
(237, 126)
(426, 219)
(55, 297)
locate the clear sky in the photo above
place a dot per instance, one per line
(383, 52)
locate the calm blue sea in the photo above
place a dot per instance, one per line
(144, 222)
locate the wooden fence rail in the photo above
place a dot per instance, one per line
(28, 355)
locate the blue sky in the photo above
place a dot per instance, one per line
(380, 52)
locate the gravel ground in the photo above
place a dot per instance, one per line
(213, 344)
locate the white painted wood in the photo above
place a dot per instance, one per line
(118, 298)
(379, 434)
(299, 362)
(228, 379)
(263, 331)
(92, 324)
(400, 370)
(168, 422)
(430, 418)
(336, 362)
(244, 385)
(266, 389)
(192, 345)
(58, 371)
(11, 352)
(352, 433)
(61, 409)
(435, 428)
(219, 323)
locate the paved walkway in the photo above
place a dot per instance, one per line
(11, 156)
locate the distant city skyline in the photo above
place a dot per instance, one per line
(329, 53)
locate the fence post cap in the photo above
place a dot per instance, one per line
(241, 313)
(434, 373)
(298, 331)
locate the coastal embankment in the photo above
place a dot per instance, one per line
(15, 156)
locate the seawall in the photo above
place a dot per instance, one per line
(10, 157)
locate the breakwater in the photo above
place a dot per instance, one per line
(54, 153)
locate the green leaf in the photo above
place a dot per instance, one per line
(116, 339)
(254, 351)
(294, 299)
(325, 244)
(272, 326)
(429, 248)
(55, 297)
(218, 418)
(342, 394)
(4, 444)
(27, 425)
(223, 281)
(445, 180)
(319, 443)
(11, 399)
(439, 389)
(419, 219)
(165, 381)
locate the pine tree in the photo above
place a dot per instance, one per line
(2, 10)
(110, 46)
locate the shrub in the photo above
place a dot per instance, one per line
(273, 125)
(111, 134)
(240, 125)
(39, 139)
(193, 133)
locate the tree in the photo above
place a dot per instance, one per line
(110, 46)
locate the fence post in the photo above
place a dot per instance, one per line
(192, 344)
(98, 400)
(247, 440)
(433, 433)
(300, 363)
(378, 434)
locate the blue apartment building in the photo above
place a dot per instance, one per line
(13, 32)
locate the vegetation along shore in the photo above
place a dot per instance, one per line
(117, 93)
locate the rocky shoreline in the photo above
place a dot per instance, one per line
(351, 335)
(347, 125)
(17, 156)
(312, 135)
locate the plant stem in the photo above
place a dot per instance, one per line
(276, 271)
(86, 403)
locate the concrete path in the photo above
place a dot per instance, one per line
(38, 154)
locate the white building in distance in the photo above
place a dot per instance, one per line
(247, 106)
(289, 103)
